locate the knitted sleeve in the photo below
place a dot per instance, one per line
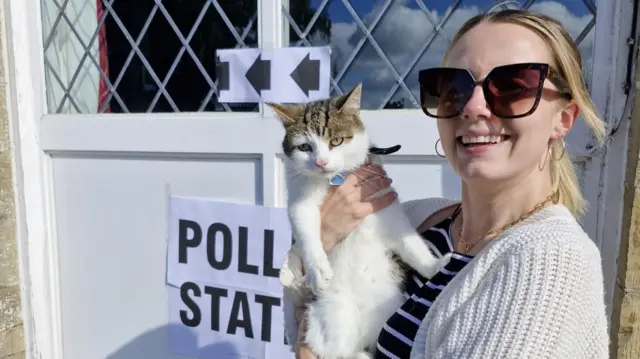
(543, 301)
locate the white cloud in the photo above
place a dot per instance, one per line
(403, 31)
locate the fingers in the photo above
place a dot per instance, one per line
(383, 201)
(369, 189)
(373, 186)
(370, 177)
(303, 352)
(371, 170)
(366, 208)
(357, 189)
(363, 174)
(363, 182)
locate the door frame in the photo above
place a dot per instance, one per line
(36, 136)
(35, 220)
(605, 167)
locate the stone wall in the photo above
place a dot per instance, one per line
(11, 330)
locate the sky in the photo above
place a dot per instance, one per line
(404, 29)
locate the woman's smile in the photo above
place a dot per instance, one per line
(475, 144)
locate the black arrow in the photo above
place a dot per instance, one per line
(259, 74)
(222, 73)
(307, 75)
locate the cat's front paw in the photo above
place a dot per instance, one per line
(445, 259)
(363, 355)
(286, 277)
(430, 269)
(319, 276)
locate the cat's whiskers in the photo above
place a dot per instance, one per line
(370, 171)
(299, 173)
(295, 172)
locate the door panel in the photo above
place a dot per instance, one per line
(112, 243)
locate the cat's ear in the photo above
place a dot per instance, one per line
(286, 113)
(350, 102)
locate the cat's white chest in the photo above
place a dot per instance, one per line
(310, 191)
(362, 264)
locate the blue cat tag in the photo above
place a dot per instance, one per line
(338, 179)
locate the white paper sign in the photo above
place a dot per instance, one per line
(281, 75)
(222, 271)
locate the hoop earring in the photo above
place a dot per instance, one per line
(563, 151)
(436, 147)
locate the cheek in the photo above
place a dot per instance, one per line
(533, 130)
(302, 159)
(446, 131)
(531, 138)
(347, 157)
(336, 157)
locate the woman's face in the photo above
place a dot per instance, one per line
(522, 142)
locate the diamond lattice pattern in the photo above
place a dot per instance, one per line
(384, 43)
(142, 55)
(159, 55)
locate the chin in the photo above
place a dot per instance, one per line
(329, 174)
(321, 174)
(478, 172)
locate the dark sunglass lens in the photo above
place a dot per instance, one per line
(445, 91)
(512, 90)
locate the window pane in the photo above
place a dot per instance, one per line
(384, 43)
(141, 55)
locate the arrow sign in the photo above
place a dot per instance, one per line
(259, 75)
(222, 73)
(275, 75)
(307, 75)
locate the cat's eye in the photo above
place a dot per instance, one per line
(336, 141)
(305, 147)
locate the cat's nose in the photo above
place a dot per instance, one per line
(321, 162)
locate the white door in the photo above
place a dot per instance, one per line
(135, 116)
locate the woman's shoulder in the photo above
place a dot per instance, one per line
(554, 230)
(418, 210)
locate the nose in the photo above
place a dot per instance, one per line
(477, 106)
(321, 162)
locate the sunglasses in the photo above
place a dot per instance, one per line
(511, 91)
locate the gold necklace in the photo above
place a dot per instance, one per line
(555, 196)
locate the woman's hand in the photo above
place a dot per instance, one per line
(347, 205)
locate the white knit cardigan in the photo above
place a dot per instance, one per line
(536, 291)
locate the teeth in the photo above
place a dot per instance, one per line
(482, 139)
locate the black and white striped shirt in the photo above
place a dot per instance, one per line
(396, 339)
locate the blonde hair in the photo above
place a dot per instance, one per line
(568, 63)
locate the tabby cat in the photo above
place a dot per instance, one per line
(358, 285)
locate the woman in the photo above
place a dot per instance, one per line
(524, 280)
